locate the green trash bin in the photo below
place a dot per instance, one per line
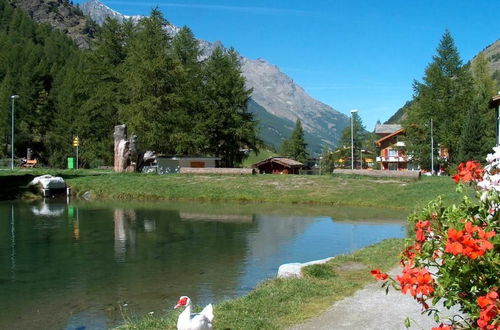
(71, 162)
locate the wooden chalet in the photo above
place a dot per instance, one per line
(392, 147)
(278, 165)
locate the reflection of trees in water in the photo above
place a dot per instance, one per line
(189, 255)
(145, 257)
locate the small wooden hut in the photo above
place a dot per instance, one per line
(278, 165)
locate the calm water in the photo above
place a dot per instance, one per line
(87, 265)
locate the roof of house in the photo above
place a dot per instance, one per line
(388, 136)
(495, 101)
(280, 160)
(387, 128)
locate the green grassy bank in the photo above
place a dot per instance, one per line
(327, 190)
(278, 303)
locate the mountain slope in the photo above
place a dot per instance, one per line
(273, 90)
(60, 15)
(492, 53)
(274, 130)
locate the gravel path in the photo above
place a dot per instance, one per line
(371, 308)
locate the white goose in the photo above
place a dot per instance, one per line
(188, 321)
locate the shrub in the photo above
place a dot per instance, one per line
(454, 254)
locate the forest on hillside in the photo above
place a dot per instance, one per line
(134, 74)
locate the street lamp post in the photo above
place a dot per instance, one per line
(432, 150)
(353, 111)
(12, 97)
(361, 156)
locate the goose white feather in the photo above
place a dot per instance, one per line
(188, 321)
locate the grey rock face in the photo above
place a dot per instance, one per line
(60, 15)
(272, 89)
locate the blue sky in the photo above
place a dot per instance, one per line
(347, 54)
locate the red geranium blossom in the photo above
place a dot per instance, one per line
(488, 316)
(464, 242)
(416, 281)
(378, 275)
(469, 171)
(420, 227)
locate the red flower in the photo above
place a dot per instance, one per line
(416, 281)
(464, 242)
(420, 227)
(490, 306)
(378, 275)
(469, 171)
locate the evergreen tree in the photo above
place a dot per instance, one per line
(32, 56)
(484, 88)
(103, 94)
(445, 95)
(327, 163)
(188, 133)
(227, 124)
(296, 146)
(359, 139)
(470, 149)
(149, 75)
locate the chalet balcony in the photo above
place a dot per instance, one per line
(393, 159)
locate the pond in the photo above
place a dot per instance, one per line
(74, 265)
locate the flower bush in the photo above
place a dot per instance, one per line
(454, 255)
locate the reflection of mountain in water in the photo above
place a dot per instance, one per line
(272, 232)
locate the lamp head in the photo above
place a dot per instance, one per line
(354, 111)
(14, 97)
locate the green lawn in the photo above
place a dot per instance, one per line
(328, 190)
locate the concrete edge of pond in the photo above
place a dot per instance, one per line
(294, 270)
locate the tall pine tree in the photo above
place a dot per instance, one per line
(296, 146)
(149, 75)
(228, 125)
(445, 95)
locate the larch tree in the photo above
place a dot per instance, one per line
(149, 75)
(296, 146)
(228, 125)
(445, 96)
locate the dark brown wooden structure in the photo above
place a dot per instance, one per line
(278, 165)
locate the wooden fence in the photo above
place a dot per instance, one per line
(380, 173)
(230, 171)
